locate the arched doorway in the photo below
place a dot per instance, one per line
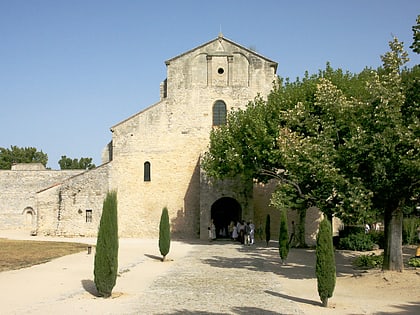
(223, 211)
(29, 217)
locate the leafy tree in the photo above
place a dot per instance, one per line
(283, 236)
(416, 36)
(15, 154)
(267, 229)
(106, 257)
(76, 164)
(325, 262)
(164, 234)
(345, 143)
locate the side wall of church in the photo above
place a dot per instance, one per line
(74, 207)
(18, 192)
(262, 196)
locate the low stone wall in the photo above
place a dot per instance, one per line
(18, 193)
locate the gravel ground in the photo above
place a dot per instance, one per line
(219, 278)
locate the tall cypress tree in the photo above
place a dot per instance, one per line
(283, 237)
(325, 262)
(106, 257)
(267, 229)
(164, 234)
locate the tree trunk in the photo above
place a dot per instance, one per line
(393, 259)
(301, 227)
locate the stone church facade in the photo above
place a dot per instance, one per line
(153, 159)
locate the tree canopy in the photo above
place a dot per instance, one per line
(75, 164)
(347, 143)
(15, 154)
(416, 36)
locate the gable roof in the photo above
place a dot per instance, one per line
(221, 37)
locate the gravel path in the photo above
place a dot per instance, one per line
(219, 278)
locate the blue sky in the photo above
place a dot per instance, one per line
(70, 70)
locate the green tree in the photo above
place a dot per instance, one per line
(384, 151)
(164, 234)
(345, 143)
(283, 236)
(325, 262)
(416, 36)
(75, 164)
(106, 257)
(15, 154)
(267, 229)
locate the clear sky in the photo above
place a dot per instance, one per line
(70, 70)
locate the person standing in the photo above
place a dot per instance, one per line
(252, 232)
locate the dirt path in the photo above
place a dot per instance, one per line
(206, 278)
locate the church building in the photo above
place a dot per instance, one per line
(153, 159)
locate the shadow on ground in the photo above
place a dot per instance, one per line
(90, 287)
(236, 310)
(300, 263)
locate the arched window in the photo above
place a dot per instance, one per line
(219, 113)
(147, 171)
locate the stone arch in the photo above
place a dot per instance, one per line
(29, 217)
(223, 211)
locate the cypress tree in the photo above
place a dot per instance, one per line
(283, 237)
(106, 256)
(164, 234)
(267, 229)
(325, 262)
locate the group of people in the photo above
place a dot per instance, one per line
(242, 231)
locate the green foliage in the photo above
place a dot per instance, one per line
(369, 261)
(8, 157)
(347, 143)
(267, 229)
(75, 164)
(414, 262)
(106, 257)
(325, 262)
(378, 238)
(410, 233)
(283, 236)
(164, 233)
(416, 36)
(357, 242)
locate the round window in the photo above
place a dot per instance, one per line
(220, 71)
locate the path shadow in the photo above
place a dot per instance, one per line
(235, 310)
(294, 298)
(154, 257)
(412, 308)
(90, 287)
(300, 263)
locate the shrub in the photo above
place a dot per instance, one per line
(164, 234)
(325, 262)
(410, 234)
(283, 236)
(267, 229)
(378, 237)
(106, 256)
(369, 261)
(357, 242)
(414, 262)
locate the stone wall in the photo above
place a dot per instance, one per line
(74, 207)
(18, 192)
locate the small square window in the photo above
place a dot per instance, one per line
(88, 215)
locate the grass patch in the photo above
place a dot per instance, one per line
(17, 254)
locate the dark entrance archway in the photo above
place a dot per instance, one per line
(223, 211)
